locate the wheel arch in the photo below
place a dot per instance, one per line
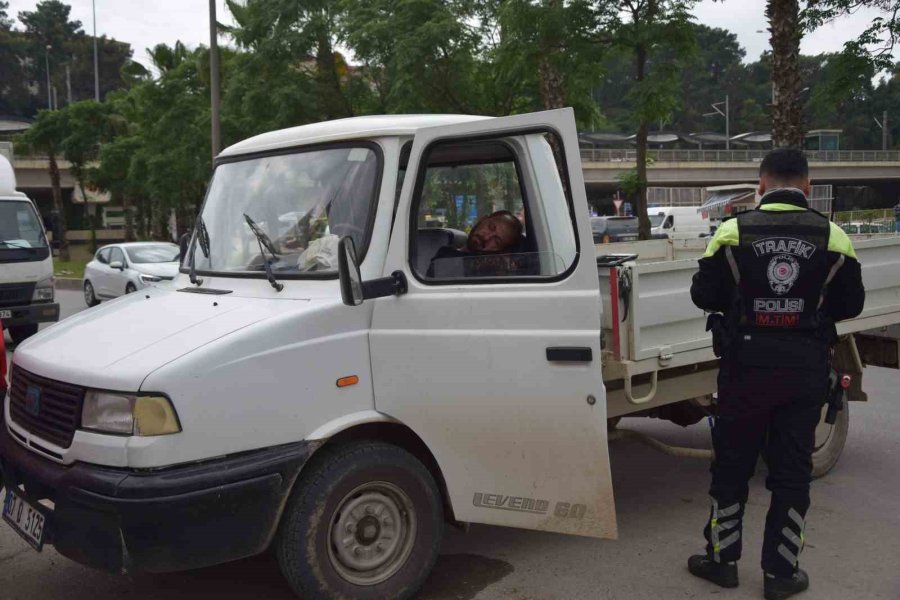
(388, 430)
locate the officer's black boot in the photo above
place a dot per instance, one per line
(722, 574)
(780, 588)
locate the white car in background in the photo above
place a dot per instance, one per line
(120, 269)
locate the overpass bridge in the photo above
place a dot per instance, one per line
(603, 167)
(876, 169)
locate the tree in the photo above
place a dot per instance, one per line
(786, 33)
(646, 29)
(70, 55)
(15, 97)
(549, 42)
(44, 136)
(85, 126)
(293, 43)
(875, 47)
(160, 159)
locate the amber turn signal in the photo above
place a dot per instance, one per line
(347, 381)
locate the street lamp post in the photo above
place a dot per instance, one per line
(214, 79)
(96, 61)
(47, 67)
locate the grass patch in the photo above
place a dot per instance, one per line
(69, 268)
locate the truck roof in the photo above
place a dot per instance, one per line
(353, 128)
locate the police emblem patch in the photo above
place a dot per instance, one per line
(783, 271)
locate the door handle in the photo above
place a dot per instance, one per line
(569, 354)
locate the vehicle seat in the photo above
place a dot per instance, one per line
(429, 241)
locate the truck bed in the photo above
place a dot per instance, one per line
(659, 328)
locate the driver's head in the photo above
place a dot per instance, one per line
(498, 233)
(784, 168)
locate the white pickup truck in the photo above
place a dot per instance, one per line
(335, 376)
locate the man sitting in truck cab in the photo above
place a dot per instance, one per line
(490, 250)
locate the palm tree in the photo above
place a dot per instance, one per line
(787, 111)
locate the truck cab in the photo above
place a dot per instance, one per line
(264, 401)
(26, 264)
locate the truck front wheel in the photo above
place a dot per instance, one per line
(365, 520)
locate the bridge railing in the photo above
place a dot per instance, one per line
(630, 155)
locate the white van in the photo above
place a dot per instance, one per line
(26, 264)
(678, 222)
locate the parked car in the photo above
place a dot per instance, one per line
(614, 229)
(863, 228)
(120, 269)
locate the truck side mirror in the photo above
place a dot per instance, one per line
(348, 272)
(353, 289)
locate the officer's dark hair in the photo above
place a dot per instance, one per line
(784, 164)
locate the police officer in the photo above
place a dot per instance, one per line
(780, 276)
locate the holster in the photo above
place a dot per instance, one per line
(721, 337)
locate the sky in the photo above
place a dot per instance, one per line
(145, 23)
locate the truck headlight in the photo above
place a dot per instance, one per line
(43, 291)
(150, 278)
(126, 414)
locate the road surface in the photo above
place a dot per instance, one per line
(853, 534)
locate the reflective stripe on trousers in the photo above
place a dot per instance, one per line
(797, 540)
(717, 526)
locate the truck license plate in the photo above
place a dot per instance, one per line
(24, 518)
(5, 314)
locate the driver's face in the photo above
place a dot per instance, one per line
(493, 234)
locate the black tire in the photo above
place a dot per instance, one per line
(357, 477)
(130, 288)
(90, 297)
(20, 333)
(830, 440)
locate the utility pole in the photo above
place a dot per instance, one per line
(96, 61)
(727, 115)
(69, 84)
(47, 66)
(884, 129)
(214, 78)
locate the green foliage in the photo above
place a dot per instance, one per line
(875, 46)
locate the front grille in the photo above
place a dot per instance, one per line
(16, 294)
(58, 411)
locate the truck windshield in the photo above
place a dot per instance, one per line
(304, 202)
(656, 220)
(19, 226)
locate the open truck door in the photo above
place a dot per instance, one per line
(494, 361)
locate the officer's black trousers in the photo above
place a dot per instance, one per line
(778, 411)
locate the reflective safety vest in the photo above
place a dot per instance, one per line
(781, 268)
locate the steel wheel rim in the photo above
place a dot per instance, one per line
(371, 533)
(88, 293)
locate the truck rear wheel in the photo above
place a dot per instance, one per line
(20, 333)
(365, 520)
(830, 440)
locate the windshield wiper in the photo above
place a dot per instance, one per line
(202, 237)
(264, 240)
